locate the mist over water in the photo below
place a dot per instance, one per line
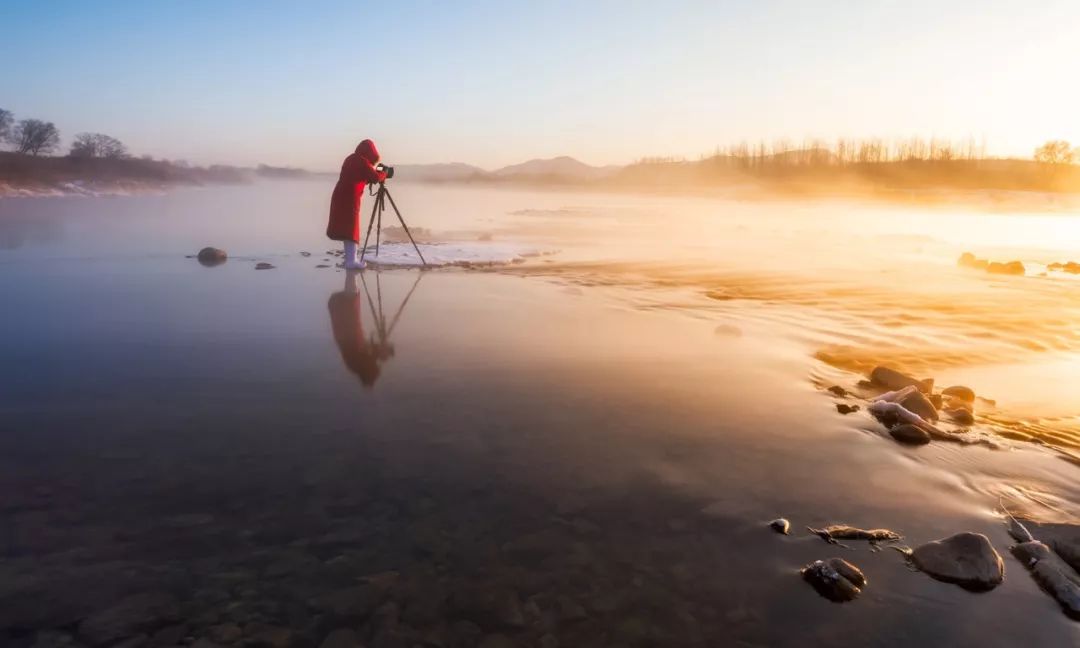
(611, 422)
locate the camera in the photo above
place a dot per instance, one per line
(388, 170)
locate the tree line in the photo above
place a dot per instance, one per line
(850, 152)
(37, 137)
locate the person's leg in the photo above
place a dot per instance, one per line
(351, 262)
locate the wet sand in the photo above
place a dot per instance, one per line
(571, 452)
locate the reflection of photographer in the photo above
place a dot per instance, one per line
(360, 354)
(363, 355)
(358, 169)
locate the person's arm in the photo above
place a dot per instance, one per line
(364, 171)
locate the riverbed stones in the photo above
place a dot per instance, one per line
(212, 256)
(226, 633)
(130, 616)
(909, 434)
(493, 609)
(342, 638)
(835, 578)
(965, 559)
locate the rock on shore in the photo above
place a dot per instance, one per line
(966, 559)
(212, 256)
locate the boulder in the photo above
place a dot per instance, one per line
(212, 256)
(1010, 268)
(960, 392)
(844, 408)
(918, 403)
(909, 434)
(1064, 538)
(892, 379)
(836, 579)
(131, 616)
(262, 265)
(965, 559)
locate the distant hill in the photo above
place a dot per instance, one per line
(445, 172)
(558, 167)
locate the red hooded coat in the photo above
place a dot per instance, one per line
(356, 171)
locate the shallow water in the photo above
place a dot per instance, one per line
(584, 447)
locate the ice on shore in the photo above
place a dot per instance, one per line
(466, 253)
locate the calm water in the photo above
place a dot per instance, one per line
(581, 450)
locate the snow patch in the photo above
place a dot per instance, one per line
(468, 254)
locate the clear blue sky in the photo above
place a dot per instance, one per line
(298, 83)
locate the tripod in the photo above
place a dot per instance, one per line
(376, 214)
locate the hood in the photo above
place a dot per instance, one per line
(367, 150)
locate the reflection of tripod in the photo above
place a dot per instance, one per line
(376, 214)
(383, 348)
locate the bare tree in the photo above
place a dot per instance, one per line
(5, 124)
(97, 145)
(35, 137)
(1055, 152)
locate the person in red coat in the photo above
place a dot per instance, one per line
(356, 172)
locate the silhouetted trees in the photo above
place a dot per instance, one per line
(5, 124)
(97, 145)
(1056, 152)
(34, 137)
(783, 153)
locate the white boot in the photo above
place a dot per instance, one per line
(351, 262)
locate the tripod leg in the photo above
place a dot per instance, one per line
(399, 217)
(367, 236)
(378, 229)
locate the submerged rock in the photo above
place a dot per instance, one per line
(892, 379)
(837, 390)
(966, 394)
(844, 408)
(780, 525)
(262, 265)
(211, 256)
(1052, 574)
(961, 416)
(836, 579)
(965, 559)
(909, 434)
(836, 532)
